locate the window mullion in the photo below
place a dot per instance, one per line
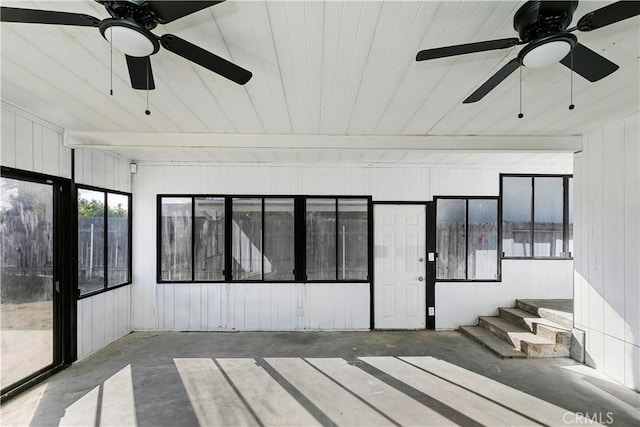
(533, 217)
(565, 216)
(193, 239)
(105, 248)
(262, 242)
(337, 242)
(466, 239)
(228, 225)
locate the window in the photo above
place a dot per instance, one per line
(467, 238)
(279, 238)
(176, 242)
(209, 218)
(263, 239)
(537, 216)
(255, 238)
(104, 245)
(337, 239)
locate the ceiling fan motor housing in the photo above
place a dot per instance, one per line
(135, 10)
(537, 19)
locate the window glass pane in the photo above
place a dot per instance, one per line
(352, 239)
(570, 225)
(26, 277)
(209, 238)
(450, 238)
(321, 239)
(247, 239)
(175, 238)
(516, 216)
(548, 206)
(90, 240)
(118, 239)
(278, 239)
(482, 252)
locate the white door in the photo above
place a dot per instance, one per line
(400, 266)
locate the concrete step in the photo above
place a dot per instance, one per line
(521, 338)
(540, 350)
(505, 330)
(492, 342)
(559, 311)
(559, 335)
(526, 319)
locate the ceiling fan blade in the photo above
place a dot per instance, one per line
(140, 72)
(608, 15)
(33, 16)
(170, 10)
(461, 49)
(205, 59)
(589, 64)
(493, 81)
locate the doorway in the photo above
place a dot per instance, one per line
(36, 302)
(400, 266)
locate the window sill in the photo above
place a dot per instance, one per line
(538, 258)
(101, 291)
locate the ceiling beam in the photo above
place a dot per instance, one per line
(112, 140)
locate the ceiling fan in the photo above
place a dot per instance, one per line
(129, 30)
(543, 28)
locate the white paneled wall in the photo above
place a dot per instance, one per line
(32, 144)
(100, 169)
(607, 252)
(315, 306)
(262, 306)
(102, 318)
(459, 304)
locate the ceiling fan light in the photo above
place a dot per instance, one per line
(129, 41)
(546, 54)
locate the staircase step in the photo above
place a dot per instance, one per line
(526, 319)
(559, 311)
(530, 344)
(544, 349)
(559, 335)
(505, 330)
(492, 342)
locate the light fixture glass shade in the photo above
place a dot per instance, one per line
(546, 54)
(129, 41)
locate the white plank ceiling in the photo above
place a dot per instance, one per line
(319, 68)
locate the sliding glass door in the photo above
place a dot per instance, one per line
(30, 275)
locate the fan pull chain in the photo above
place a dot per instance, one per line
(111, 64)
(520, 115)
(147, 111)
(571, 106)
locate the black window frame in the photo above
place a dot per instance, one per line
(299, 239)
(106, 287)
(336, 199)
(567, 255)
(466, 237)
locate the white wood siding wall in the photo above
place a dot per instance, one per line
(34, 145)
(607, 252)
(316, 306)
(102, 318)
(459, 304)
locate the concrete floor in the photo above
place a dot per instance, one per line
(318, 378)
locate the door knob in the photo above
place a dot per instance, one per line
(421, 278)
